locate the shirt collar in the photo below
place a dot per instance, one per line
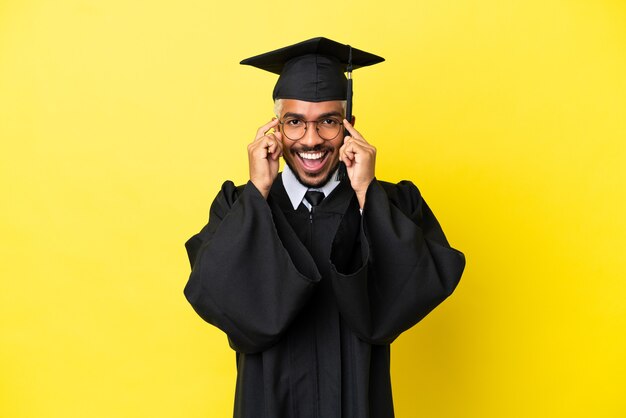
(296, 190)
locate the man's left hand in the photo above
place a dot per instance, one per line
(360, 160)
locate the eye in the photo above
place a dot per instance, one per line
(329, 122)
(294, 123)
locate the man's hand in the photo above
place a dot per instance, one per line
(263, 156)
(360, 160)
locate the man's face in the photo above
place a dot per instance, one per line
(312, 159)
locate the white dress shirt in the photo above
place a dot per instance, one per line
(296, 190)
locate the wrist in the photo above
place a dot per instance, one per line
(264, 191)
(361, 198)
(361, 192)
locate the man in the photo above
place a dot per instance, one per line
(314, 271)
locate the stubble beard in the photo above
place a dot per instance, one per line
(321, 183)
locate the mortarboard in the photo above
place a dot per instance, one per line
(313, 70)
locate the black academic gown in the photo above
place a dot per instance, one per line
(311, 301)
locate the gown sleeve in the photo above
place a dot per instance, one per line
(243, 279)
(401, 269)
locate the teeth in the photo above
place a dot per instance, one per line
(311, 155)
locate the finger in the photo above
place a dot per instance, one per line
(270, 137)
(274, 149)
(260, 133)
(273, 144)
(276, 154)
(355, 145)
(261, 147)
(346, 154)
(269, 142)
(359, 145)
(353, 132)
(279, 136)
(279, 146)
(357, 141)
(351, 153)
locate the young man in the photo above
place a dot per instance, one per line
(313, 272)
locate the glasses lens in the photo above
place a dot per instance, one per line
(294, 129)
(328, 128)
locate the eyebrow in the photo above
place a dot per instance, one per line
(328, 114)
(293, 115)
(301, 116)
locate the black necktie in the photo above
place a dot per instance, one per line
(314, 198)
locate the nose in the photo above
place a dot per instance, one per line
(311, 137)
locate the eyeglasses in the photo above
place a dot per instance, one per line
(327, 128)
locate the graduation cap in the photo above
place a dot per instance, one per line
(313, 70)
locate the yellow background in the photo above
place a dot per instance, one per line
(120, 119)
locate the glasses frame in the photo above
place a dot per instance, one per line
(306, 126)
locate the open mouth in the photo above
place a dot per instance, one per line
(312, 161)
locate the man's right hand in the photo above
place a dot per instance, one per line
(263, 155)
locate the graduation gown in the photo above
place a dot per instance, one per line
(310, 301)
